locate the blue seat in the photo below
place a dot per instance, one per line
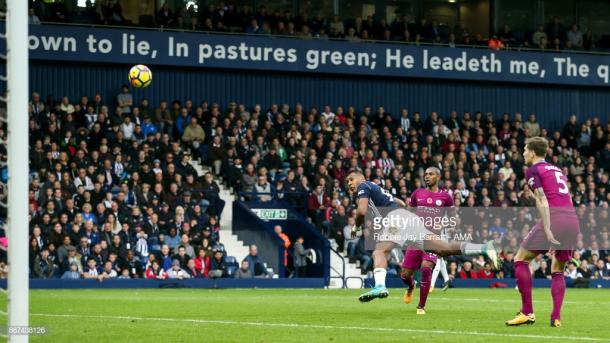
(232, 265)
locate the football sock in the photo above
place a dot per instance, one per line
(424, 286)
(408, 281)
(379, 275)
(435, 272)
(524, 282)
(558, 290)
(443, 269)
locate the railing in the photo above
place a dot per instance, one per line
(342, 274)
(368, 41)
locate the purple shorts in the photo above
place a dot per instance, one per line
(565, 231)
(414, 258)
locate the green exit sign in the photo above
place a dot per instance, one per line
(271, 214)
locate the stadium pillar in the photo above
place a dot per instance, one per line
(17, 75)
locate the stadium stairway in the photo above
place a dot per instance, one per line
(353, 275)
(232, 244)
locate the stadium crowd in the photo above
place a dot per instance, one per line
(113, 192)
(227, 17)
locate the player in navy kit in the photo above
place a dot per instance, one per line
(374, 200)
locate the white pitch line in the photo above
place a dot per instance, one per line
(331, 327)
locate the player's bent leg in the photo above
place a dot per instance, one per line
(524, 282)
(406, 275)
(558, 286)
(412, 261)
(426, 278)
(379, 273)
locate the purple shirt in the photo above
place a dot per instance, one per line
(430, 204)
(553, 182)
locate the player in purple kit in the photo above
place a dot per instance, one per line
(431, 203)
(558, 229)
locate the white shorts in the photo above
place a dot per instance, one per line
(403, 228)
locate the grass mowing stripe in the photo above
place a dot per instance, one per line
(442, 297)
(331, 327)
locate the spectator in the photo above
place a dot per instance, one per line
(572, 272)
(467, 272)
(337, 225)
(317, 204)
(181, 256)
(195, 137)
(508, 266)
(108, 272)
(244, 271)
(156, 272)
(300, 258)
(285, 239)
(601, 272)
(263, 188)
(33, 18)
(584, 269)
(165, 16)
(543, 271)
(125, 100)
(92, 271)
(185, 244)
(532, 126)
(72, 257)
(575, 37)
(218, 266)
(176, 272)
(538, 36)
(486, 272)
(255, 263)
(202, 262)
(166, 259)
(249, 179)
(192, 270)
(72, 273)
(43, 267)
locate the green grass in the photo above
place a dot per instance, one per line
(257, 315)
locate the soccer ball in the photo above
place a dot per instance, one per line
(140, 76)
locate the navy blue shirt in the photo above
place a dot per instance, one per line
(378, 197)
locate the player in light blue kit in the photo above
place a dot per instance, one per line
(373, 199)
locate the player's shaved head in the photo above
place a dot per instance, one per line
(354, 179)
(431, 176)
(355, 175)
(538, 145)
(434, 170)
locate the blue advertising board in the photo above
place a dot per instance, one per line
(257, 52)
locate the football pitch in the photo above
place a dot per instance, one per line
(305, 315)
